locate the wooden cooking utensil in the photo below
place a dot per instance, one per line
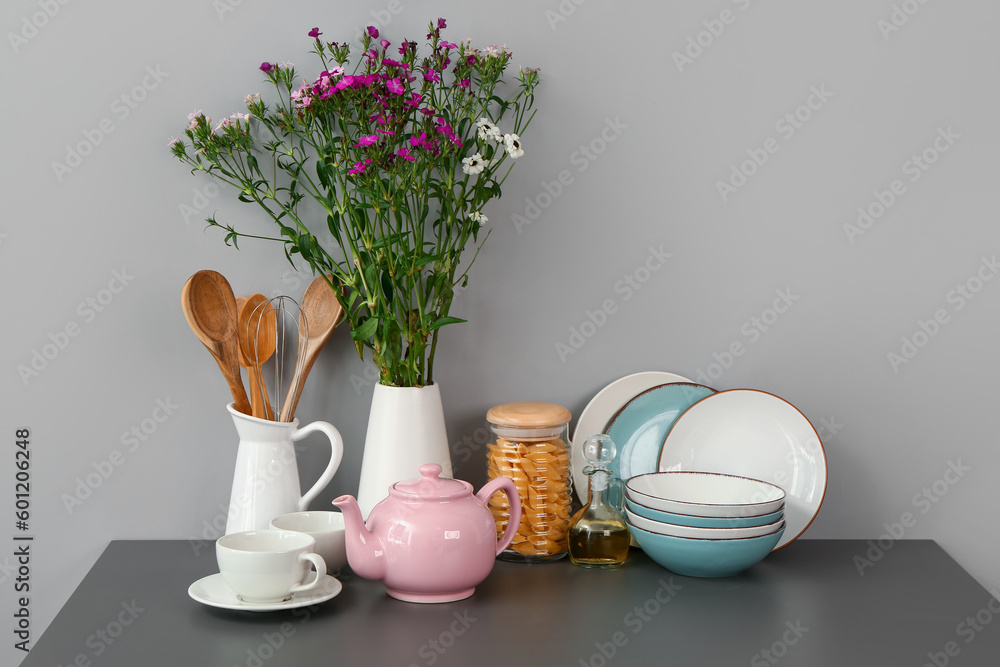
(210, 309)
(240, 300)
(322, 312)
(258, 341)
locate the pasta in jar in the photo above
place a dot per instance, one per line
(530, 448)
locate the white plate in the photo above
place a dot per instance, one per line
(758, 435)
(599, 412)
(215, 592)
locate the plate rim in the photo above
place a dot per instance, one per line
(822, 450)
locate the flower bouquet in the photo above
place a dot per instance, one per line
(400, 151)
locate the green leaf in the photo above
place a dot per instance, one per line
(365, 331)
(388, 239)
(333, 222)
(442, 321)
(387, 287)
(321, 173)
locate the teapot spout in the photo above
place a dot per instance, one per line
(364, 550)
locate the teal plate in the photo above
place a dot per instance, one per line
(641, 425)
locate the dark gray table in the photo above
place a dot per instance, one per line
(805, 605)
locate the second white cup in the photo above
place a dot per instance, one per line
(269, 565)
(327, 528)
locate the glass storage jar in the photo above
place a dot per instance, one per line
(529, 446)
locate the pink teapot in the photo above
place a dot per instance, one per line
(431, 540)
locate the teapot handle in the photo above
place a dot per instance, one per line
(506, 485)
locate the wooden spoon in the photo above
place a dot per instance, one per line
(258, 341)
(210, 310)
(240, 301)
(321, 310)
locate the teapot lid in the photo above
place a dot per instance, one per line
(430, 485)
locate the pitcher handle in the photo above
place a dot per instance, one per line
(336, 455)
(506, 485)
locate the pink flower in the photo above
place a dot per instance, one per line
(415, 99)
(448, 45)
(315, 33)
(464, 83)
(395, 86)
(372, 32)
(403, 153)
(442, 24)
(366, 140)
(422, 142)
(432, 75)
(359, 167)
(384, 43)
(381, 131)
(194, 114)
(266, 67)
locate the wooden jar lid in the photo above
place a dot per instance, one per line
(529, 414)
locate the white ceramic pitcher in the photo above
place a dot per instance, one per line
(266, 481)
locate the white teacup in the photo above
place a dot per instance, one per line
(269, 565)
(327, 528)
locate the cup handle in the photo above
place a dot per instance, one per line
(336, 455)
(506, 485)
(320, 565)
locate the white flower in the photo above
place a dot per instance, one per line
(223, 124)
(241, 116)
(255, 97)
(487, 130)
(478, 217)
(194, 114)
(473, 164)
(513, 144)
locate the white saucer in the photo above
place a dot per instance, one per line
(215, 592)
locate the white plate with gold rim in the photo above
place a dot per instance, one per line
(602, 408)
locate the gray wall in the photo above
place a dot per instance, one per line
(642, 141)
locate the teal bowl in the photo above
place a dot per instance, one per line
(703, 521)
(693, 557)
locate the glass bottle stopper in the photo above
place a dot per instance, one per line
(599, 451)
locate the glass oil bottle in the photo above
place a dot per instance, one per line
(598, 536)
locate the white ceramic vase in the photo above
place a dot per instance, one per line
(266, 480)
(405, 430)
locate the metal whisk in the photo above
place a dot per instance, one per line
(272, 326)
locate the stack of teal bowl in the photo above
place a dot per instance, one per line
(702, 524)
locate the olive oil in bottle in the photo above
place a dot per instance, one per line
(598, 536)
